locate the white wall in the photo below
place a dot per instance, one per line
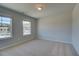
(75, 28)
(56, 27)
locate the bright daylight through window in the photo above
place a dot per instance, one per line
(5, 27)
(26, 28)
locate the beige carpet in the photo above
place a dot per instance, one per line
(40, 48)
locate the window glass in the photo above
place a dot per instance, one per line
(0, 21)
(26, 28)
(5, 27)
(6, 20)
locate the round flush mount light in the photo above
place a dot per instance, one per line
(40, 6)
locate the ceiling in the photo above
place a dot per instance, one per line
(29, 9)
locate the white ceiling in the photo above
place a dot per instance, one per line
(29, 9)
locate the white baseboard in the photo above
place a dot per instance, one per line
(62, 41)
(57, 41)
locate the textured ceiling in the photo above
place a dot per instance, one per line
(29, 9)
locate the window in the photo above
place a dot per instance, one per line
(26, 28)
(5, 27)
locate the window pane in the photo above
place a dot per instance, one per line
(6, 27)
(26, 27)
(0, 21)
(6, 20)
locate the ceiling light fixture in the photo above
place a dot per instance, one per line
(40, 6)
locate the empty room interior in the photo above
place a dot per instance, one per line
(39, 29)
